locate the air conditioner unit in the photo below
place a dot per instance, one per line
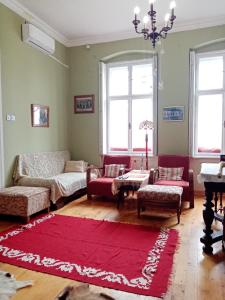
(37, 38)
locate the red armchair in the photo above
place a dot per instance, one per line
(187, 183)
(103, 185)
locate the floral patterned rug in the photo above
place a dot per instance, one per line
(132, 258)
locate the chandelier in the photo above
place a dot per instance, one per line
(149, 29)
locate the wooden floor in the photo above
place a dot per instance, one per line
(195, 275)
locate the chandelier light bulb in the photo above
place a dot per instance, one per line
(136, 10)
(172, 4)
(145, 20)
(167, 16)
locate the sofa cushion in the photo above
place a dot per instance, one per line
(75, 166)
(42, 164)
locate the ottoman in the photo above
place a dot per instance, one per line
(160, 196)
(24, 201)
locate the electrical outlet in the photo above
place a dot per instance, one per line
(13, 118)
(8, 117)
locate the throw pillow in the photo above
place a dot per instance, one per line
(113, 170)
(171, 173)
(75, 166)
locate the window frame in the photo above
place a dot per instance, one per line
(105, 99)
(195, 93)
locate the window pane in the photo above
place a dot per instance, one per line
(118, 81)
(142, 109)
(209, 133)
(142, 80)
(210, 73)
(118, 125)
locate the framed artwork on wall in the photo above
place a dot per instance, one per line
(39, 115)
(173, 113)
(84, 104)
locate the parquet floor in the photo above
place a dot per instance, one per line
(195, 275)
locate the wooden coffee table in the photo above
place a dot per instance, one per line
(131, 181)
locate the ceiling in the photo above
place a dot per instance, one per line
(79, 22)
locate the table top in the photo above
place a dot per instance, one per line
(135, 178)
(133, 175)
(209, 173)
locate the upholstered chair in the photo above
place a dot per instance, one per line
(102, 185)
(186, 182)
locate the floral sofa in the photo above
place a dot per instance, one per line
(47, 169)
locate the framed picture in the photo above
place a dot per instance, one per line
(173, 113)
(39, 115)
(84, 104)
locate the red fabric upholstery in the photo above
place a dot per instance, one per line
(103, 185)
(100, 186)
(116, 159)
(176, 161)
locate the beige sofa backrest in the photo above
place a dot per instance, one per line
(42, 164)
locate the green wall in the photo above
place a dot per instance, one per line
(174, 71)
(29, 76)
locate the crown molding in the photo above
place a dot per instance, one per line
(103, 38)
(185, 26)
(200, 23)
(32, 18)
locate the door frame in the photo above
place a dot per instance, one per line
(2, 165)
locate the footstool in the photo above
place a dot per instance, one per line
(24, 201)
(160, 196)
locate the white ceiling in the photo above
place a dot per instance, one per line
(77, 22)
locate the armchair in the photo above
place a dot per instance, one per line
(186, 182)
(102, 185)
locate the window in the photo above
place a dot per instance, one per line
(209, 104)
(129, 100)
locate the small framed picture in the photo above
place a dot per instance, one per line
(39, 115)
(84, 104)
(173, 113)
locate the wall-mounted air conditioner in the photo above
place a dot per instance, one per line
(37, 38)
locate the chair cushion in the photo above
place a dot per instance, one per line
(112, 170)
(100, 186)
(174, 161)
(170, 173)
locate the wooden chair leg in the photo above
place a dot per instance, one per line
(89, 197)
(178, 215)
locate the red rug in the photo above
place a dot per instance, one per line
(126, 257)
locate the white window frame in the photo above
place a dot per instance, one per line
(195, 93)
(104, 107)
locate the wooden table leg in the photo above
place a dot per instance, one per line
(120, 197)
(223, 240)
(208, 216)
